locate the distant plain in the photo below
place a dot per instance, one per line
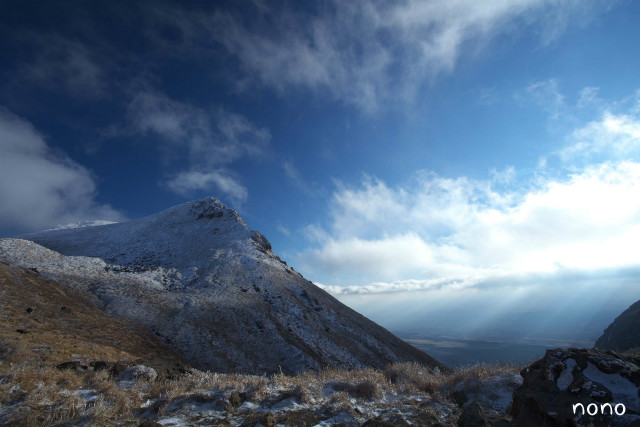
(457, 352)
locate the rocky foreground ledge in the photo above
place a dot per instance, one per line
(579, 387)
(543, 394)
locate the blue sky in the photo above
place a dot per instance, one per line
(423, 161)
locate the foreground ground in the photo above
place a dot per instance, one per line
(402, 394)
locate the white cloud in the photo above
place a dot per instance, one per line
(410, 285)
(211, 141)
(448, 231)
(41, 188)
(186, 182)
(613, 135)
(355, 51)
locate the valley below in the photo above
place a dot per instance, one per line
(465, 351)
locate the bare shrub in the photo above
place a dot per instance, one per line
(298, 392)
(478, 373)
(340, 400)
(367, 389)
(411, 376)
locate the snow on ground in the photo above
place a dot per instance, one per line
(623, 390)
(566, 377)
(82, 224)
(199, 276)
(495, 393)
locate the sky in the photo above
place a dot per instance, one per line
(455, 167)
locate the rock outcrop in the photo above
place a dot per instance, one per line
(624, 333)
(579, 387)
(211, 288)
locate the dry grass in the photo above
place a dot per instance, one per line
(46, 396)
(633, 352)
(412, 378)
(50, 322)
(199, 382)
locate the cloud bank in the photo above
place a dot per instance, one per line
(40, 187)
(459, 232)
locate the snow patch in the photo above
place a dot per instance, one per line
(82, 224)
(566, 377)
(623, 390)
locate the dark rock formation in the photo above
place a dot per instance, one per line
(624, 333)
(589, 378)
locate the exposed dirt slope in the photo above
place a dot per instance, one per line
(42, 320)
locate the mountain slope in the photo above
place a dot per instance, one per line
(624, 333)
(211, 288)
(47, 321)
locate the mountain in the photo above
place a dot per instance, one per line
(48, 321)
(211, 288)
(624, 333)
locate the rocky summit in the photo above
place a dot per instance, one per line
(210, 288)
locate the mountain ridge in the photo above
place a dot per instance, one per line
(624, 332)
(199, 277)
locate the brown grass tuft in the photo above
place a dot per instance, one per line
(47, 396)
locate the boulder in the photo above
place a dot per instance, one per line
(556, 388)
(73, 365)
(138, 373)
(494, 393)
(473, 416)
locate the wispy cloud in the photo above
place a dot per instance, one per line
(211, 140)
(66, 65)
(356, 51)
(410, 285)
(186, 182)
(547, 94)
(296, 178)
(588, 96)
(213, 137)
(40, 187)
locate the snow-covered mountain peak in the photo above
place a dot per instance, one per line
(182, 236)
(208, 285)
